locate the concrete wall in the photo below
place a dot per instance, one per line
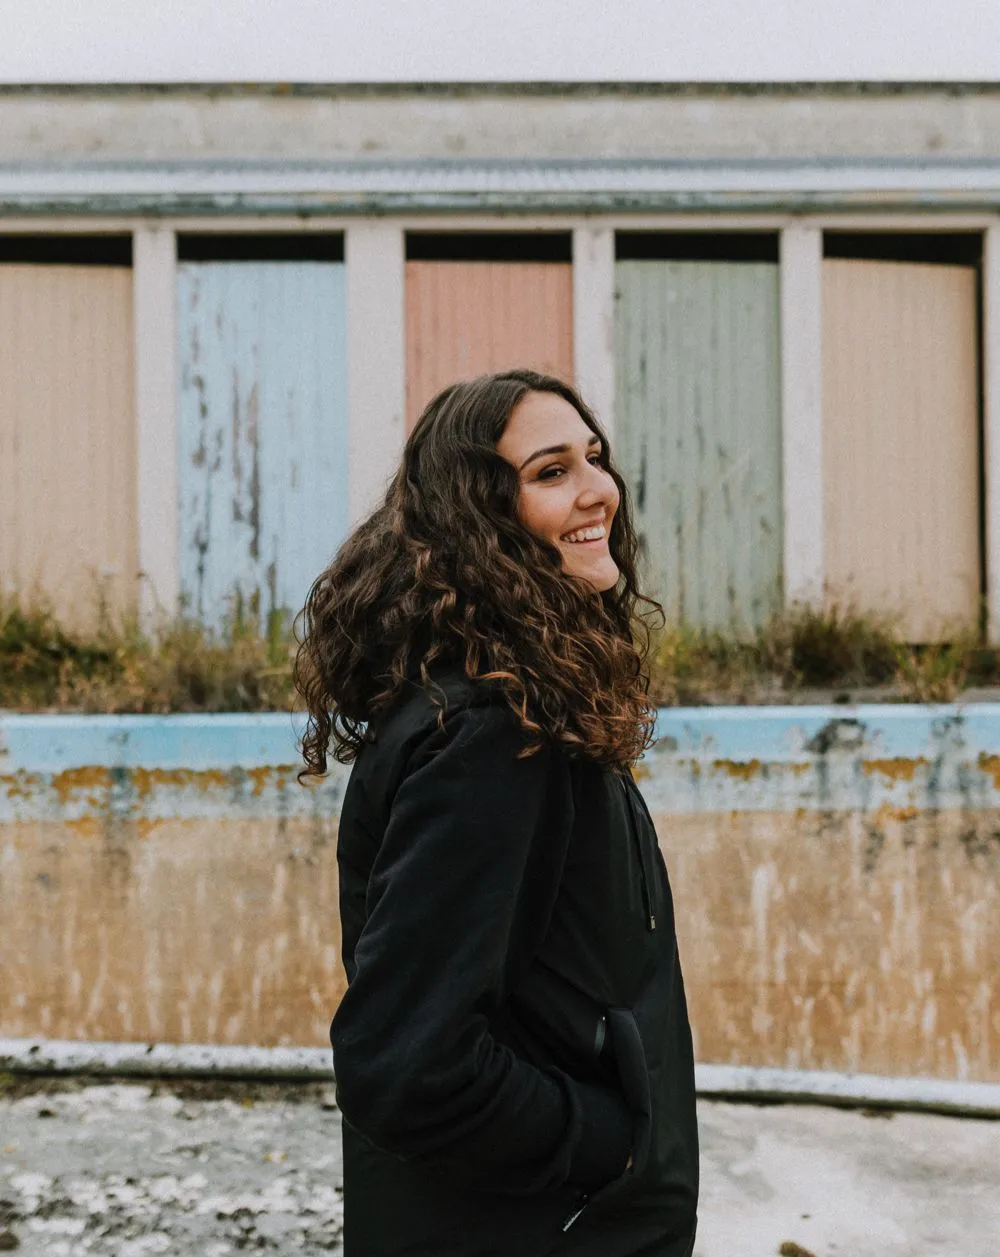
(499, 121)
(836, 875)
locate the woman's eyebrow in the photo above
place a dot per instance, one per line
(555, 449)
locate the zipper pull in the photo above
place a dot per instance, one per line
(575, 1214)
(652, 921)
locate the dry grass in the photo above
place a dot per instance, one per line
(837, 650)
(180, 666)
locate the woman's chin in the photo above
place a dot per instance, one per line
(602, 575)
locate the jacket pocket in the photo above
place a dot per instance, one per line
(560, 1025)
(633, 1078)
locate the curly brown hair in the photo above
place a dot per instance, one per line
(444, 572)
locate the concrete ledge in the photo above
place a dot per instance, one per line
(935, 1095)
(154, 1060)
(288, 1064)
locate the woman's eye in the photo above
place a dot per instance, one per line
(550, 473)
(594, 460)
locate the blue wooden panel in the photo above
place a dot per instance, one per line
(698, 419)
(263, 476)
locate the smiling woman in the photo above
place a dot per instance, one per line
(513, 1056)
(567, 497)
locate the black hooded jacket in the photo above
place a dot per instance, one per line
(515, 1024)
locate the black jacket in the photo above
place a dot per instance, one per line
(515, 1022)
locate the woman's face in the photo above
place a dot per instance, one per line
(566, 497)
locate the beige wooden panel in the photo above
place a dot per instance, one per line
(464, 318)
(68, 529)
(900, 448)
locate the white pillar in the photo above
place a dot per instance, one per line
(155, 323)
(991, 424)
(376, 360)
(594, 320)
(801, 413)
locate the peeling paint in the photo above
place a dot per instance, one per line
(256, 392)
(990, 764)
(896, 769)
(740, 771)
(91, 777)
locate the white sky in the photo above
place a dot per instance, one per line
(356, 40)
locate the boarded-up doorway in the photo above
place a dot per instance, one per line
(698, 420)
(479, 302)
(68, 509)
(263, 421)
(901, 437)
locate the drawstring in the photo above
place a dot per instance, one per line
(646, 872)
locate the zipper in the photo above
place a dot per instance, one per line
(576, 1213)
(645, 872)
(600, 1036)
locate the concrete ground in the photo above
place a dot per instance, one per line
(208, 1169)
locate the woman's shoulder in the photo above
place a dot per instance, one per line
(453, 713)
(428, 709)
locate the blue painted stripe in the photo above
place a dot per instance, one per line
(53, 743)
(796, 734)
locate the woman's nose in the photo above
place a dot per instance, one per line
(597, 487)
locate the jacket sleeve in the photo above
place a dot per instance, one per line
(418, 1071)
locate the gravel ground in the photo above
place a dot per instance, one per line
(206, 1169)
(199, 1169)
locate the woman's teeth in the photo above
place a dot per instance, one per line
(586, 534)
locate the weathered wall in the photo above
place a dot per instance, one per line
(165, 879)
(442, 121)
(177, 931)
(836, 875)
(844, 941)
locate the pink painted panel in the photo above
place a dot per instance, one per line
(466, 318)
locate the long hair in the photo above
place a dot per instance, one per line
(444, 572)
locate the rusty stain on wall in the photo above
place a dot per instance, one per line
(739, 769)
(990, 764)
(897, 769)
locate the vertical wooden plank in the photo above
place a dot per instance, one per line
(467, 318)
(594, 321)
(375, 254)
(68, 533)
(801, 263)
(698, 418)
(263, 432)
(991, 421)
(900, 443)
(154, 288)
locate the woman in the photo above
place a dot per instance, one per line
(513, 1055)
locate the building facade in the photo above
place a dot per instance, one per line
(221, 309)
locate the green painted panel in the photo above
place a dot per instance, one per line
(698, 433)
